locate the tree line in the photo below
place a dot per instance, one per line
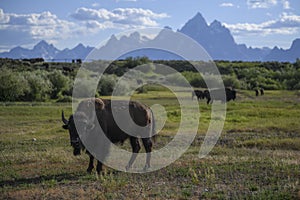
(21, 80)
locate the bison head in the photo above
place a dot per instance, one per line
(81, 126)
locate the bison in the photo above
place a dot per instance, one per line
(256, 92)
(198, 93)
(262, 91)
(85, 120)
(216, 94)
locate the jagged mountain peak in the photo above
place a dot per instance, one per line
(198, 18)
(135, 35)
(44, 47)
(133, 39)
(285, 55)
(113, 37)
(79, 47)
(197, 23)
(217, 27)
(42, 43)
(216, 24)
(296, 44)
(113, 40)
(214, 38)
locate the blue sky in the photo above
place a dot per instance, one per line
(65, 23)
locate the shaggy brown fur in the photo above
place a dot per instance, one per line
(140, 114)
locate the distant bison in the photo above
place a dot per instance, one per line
(68, 69)
(198, 93)
(256, 92)
(262, 91)
(140, 114)
(216, 94)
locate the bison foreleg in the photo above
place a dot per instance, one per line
(135, 149)
(99, 167)
(91, 165)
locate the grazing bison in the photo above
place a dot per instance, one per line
(262, 91)
(216, 94)
(85, 120)
(256, 92)
(198, 93)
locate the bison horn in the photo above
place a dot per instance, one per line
(65, 121)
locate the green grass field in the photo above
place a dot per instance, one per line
(256, 157)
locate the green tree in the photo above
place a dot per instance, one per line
(12, 85)
(231, 81)
(60, 83)
(195, 79)
(106, 85)
(39, 84)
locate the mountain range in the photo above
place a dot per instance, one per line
(215, 38)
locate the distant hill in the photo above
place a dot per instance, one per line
(215, 38)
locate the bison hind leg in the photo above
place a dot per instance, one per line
(148, 147)
(99, 167)
(135, 145)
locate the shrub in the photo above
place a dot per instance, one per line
(195, 79)
(40, 86)
(231, 81)
(106, 85)
(12, 85)
(59, 83)
(198, 82)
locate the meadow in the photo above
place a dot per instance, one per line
(256, 157)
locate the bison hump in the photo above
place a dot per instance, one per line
(91, 103)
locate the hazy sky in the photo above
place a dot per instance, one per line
(65, 23)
